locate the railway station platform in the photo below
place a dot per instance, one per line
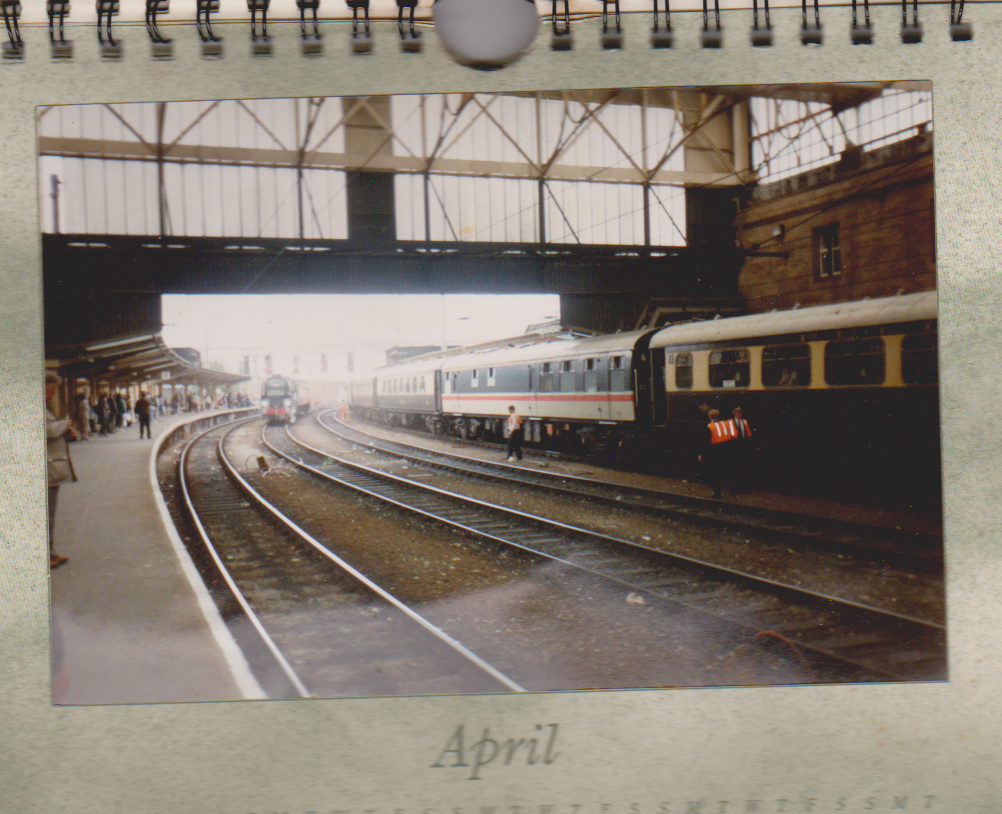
(131, 621)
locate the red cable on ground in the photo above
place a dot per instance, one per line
(779, 637)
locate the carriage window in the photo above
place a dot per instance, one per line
(490, 377)
(475, 382)
(414, 385)
(786, 366)
(423, 385)
(683, 371)
(854, 361)
(546, 378)
(919, 364)
(619, 374)
(591, 376)
(567, 377)
(729, 368)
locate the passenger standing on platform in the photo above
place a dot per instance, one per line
(176, 403)
(112, 409)
(715, 458)
(743, 450)
(514, 434)
(143, 414)
(120, 411)
(60, 467)
(82, 419)
(94, 423)
(101, 412)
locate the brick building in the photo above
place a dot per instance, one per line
(862, 227)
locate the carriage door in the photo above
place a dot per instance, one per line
(648, 381)
(659, 398)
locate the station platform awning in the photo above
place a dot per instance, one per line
(140, 358)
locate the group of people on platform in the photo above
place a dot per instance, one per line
(104, 415)
(727, 452)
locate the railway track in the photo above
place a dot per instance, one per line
(309, 623)
(915, 551)
(844, 640)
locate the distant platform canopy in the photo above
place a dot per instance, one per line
(139, 359)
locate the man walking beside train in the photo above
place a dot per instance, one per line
(514, 434)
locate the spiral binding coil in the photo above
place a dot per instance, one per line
(662, 39)
(161, 46)
(110, 49)
(260, 44)
(57, 10)
(711, 36)
(761, 37)
(313, 43)
(811, 34)
(861, 34)
(611, 39)
(561, 40)
(14, 47)
(212, 46)
(410, 40)
(361, 41)
(910, 32)
(960, 31)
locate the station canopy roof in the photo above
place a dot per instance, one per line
(139, 358)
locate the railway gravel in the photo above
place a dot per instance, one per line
(547, 626)
(857, 578)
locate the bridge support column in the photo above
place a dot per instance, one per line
(371, 201)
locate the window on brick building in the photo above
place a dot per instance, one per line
(828, 254)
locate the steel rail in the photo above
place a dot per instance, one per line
(286, 669)
(687, 507)
(829, 603)
(441, 635)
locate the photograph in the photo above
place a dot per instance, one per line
(534, 391)
(422, 408)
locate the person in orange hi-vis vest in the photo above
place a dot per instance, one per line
(740, 452)
(715, 458)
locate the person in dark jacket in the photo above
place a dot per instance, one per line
(112, 409)
(143, 414)
(742, 452)
(715, 456)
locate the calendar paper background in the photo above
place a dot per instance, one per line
(912, 747)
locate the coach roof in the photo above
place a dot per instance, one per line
(882, 311)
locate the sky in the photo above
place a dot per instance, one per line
(227, 327)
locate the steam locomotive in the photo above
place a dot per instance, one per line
(283, 399)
